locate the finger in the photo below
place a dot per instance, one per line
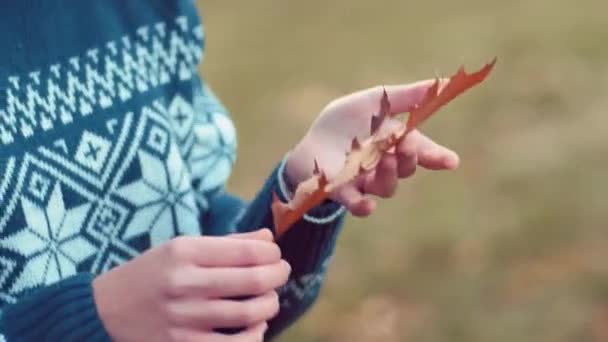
(225, 313)
(357, 203)
(404, 96)
(407, 155)
(401, 97)
(225, 252)
(252, 334)
(236, 282)
(433, 156)
(383, 181)
(263, 234)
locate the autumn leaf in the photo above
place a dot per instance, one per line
(364, 156)
(435, 97)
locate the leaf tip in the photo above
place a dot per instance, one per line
(323, 180)
(385, 109)
(376, 121)
(385, 104)
(355, 144)
(489, 66)
(316, 169)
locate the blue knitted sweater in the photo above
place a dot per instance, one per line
(110, 144)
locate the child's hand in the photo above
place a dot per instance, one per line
(178, 291)
(331, 135)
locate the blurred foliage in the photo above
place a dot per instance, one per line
(510, 247)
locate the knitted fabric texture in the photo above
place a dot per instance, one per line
(110, 144)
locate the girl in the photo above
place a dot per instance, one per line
(114, 222)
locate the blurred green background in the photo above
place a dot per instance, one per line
(513, 246)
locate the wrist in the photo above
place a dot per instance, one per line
(299, 163)
(327, 212)
(293, 172)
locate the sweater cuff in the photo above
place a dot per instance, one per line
(64, 311)
(323, 214)
(311, 241)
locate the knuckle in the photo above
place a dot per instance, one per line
(408, 152)
(377, 90)
(257, 282)
(178, 248)
(208, 285)
(372, 96)
(374, 93)
(407, 149)
(173, 314)
(248, 313)
(174, 283)
(248, 253)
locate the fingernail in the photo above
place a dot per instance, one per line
(451, 161)
(288, 266)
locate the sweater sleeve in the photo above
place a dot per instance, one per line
(64, 311)
(307, 246)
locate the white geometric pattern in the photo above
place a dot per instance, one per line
(182, 117)
(100, 78)
(108, 153)
(100, 194)
(163, 198)
(92, 151)
(50, 241)
(6, 267)
(57, 237)
(39, 186)
(106, 223)
(117, 150)
(213, 155)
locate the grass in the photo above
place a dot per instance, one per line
(513, 246)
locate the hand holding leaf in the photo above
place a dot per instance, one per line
(357, 146)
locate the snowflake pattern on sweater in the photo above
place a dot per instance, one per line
(123, 183)
(111, 144)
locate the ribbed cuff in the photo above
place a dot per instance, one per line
(307, 246)
(64, 312)
(311, 240)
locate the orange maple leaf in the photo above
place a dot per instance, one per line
(365, 156)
